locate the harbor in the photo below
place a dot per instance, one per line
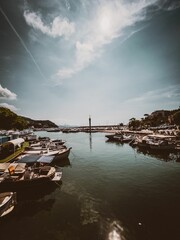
(90, 120)
(107, 188)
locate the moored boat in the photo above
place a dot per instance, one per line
(58, 154)
(31, 160)
(123, 138)
(19, 175)
(112, 136)
(62, 154)
(162, 145)
(157, 142)
(119, 137)
(7, 202)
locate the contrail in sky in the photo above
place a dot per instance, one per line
(22, 42)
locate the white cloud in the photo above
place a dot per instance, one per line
(170, 5)
(108, 22)
(173, 6)
(11, 107)
(104, 21)
(170, 93)
(67, 4)
(7, 94)
(58, 27)
(85, 54)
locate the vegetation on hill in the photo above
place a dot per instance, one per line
(155, 119)
(40, 123)
(10, 120)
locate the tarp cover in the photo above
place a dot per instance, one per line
(45, 159)
(36, 158)
(17, 141)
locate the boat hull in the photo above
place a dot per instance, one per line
(162, 147)
(62, 155)
(14, 183)
(8, 203)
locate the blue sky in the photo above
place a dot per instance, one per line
(64, 60)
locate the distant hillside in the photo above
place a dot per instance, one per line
(40, 123)
(10, 120)
(157, 118)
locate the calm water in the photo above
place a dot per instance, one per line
(109, 191)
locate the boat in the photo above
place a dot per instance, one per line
(123, 138)
(7, 202)
(162, 145)
(36, 159)
(119, 137)
(58, 154)
(52, 144)
(111, 137)
(53, 130)
(19, 175)
(157, 142)
(57, 142)
(62, 154)
(41, 151)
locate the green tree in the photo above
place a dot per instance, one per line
(6, 118)
(146, 115)
(176, 118)
(19, 123)
(10, 120)
(134, 124)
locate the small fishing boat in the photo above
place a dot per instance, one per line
(157, 142)
(7, 202)
(19, 175)
(52, 143)
(111, 137)
(62, 154)
(31, 160)
(119, 137)
(162, 145)
(58, 154)
(123, 138)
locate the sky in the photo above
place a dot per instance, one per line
(64, 60)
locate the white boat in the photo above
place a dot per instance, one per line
(53, 143)
(41, 151)
(62, 154)
(7, 202)
(112, 136)
(158, 142)
(162, 145)
(58, 154)
(123, 138)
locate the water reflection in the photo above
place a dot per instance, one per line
(63, 163)
(164, 155)
(121, 199)
(111, 229)
(161, 155)
(33, 201)
(31, 208)
(89, 205)
(115, 231)
(90, 141)
(32, 191)
(121, 144)
(37, 193)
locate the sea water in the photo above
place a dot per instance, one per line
(109, 191)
